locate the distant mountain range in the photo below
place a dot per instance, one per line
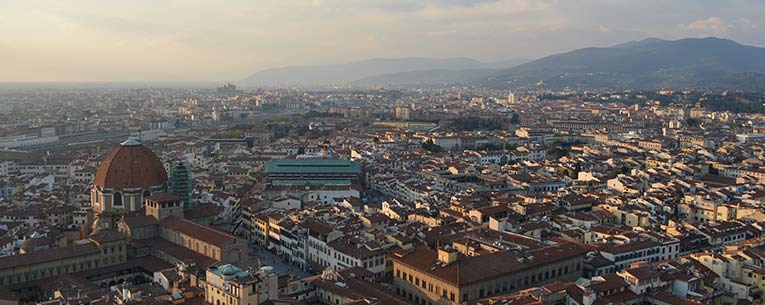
(647, 64)
(380, 72)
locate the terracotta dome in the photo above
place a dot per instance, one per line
(130, 165)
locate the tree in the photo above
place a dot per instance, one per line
(474, 123)
(489, 147)
(557, 152)
(515, 119)
(713, 170)
(430, 146)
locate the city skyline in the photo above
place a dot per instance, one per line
(382, 152)
(205, 41)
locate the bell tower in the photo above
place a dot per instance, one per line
(163, 205)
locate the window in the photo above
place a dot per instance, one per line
(117, 201)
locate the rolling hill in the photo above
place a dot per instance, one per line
(380, 72)
(345, 73)
(646, 64)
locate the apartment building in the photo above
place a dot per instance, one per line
(231, 285)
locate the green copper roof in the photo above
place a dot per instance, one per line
(311, 182)
(313, 166)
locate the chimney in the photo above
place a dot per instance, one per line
(447, 255)
(589, 297)
(638, 264)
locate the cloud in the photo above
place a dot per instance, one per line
(721, 27)
(482, 9)
(79, 40)
(712, 24)
(746, 24)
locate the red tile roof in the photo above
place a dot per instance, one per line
(49, 255)
(468, 270)
(204, 233)
(163, 197)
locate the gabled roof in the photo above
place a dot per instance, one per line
(204, 233)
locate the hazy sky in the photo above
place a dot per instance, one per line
(194, 40)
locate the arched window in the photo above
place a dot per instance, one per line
(117, 199)
(145, 194)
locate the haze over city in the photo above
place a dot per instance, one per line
(370, 152)
(108, 41)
